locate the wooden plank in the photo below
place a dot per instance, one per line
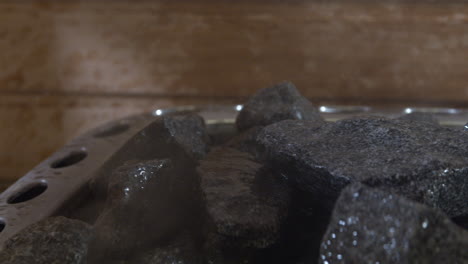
(360, 50)
(33, 127)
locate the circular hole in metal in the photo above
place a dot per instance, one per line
(71, 159)
(2, 225)
(28, 193)
(112, 130)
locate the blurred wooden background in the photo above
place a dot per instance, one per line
(67, 66)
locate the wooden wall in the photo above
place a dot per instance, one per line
(67, 66)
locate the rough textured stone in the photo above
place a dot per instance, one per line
(135, 180)
(279, 102)
(180, 138)
(420, 117)
(245, 141)
(167, 255)
(148, 202)
(422, 161)
(167, 137)
(189, 132)
(372, 226)
(245, 203)
(55, 240)
(179, 251)
(446, 189)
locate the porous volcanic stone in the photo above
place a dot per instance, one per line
(279, 102)
(245, 203)
(372, 226)
(180, 138)
(56, 240)
(179, 251)
(420, 160)
(148, 201)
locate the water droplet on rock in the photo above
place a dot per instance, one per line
(425, 223)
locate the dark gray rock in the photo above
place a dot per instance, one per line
(148, 202)
(245, 203)
(446, 189)
(245, 141)
(189, 132)
(175, 137)
(168, 255)
(180, 251)
(180, 138)
(136, 180)
(420, 117)
(279, 102)
(372, 226)
(53, 240)
(422, 161)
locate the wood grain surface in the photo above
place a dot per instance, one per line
(67, 66)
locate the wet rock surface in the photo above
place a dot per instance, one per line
(279, 102)
(148, 201)
(181, 138)
(405, 156)
(373, 226)
(245, 203)
(446, 189)
(53, 240)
